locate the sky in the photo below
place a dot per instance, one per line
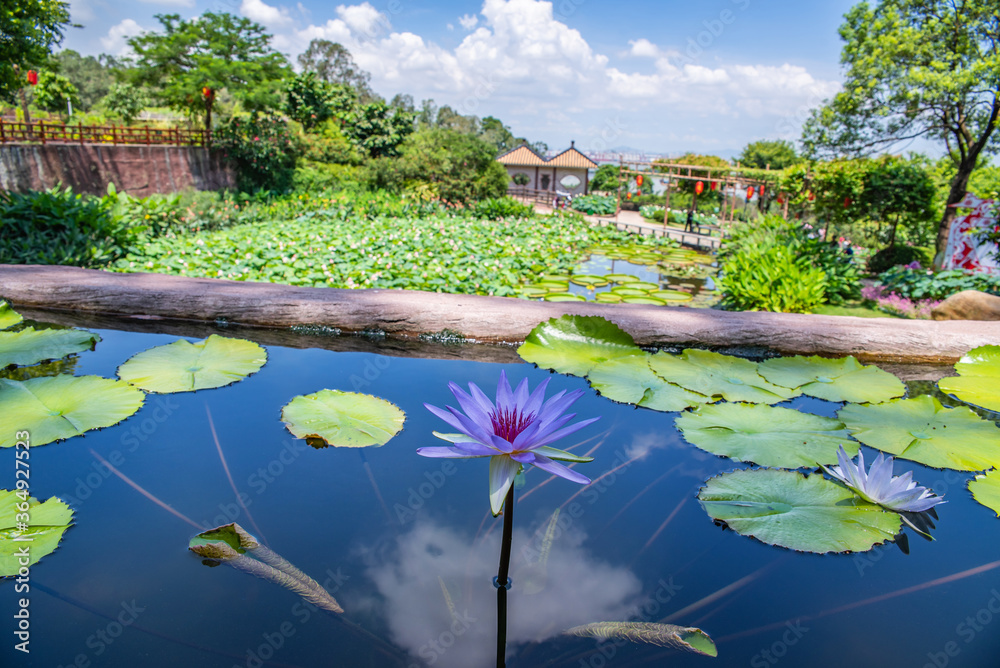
(661, 76)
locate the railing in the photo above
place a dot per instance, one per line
(546, 197)
(40, 132)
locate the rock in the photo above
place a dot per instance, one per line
(968, 305)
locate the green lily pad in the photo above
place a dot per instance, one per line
(57, 407)
(8, 316)
(608, 298)
(629, 292)
(662, 635)
(563, 297)
(553, 286)
(766, 435)
(788, 509)
(558, 278)
(574, 344)
(844, 379)
(986, 490)
(343, 419)
(629, 380)
(643, 299)
(621, 278)
(182, 366)
(716, 375)
(29, 346)
(672, 295)
(978, 380)
(46, 524)
(589, 281)
(534, 291)
(641, 285)
(922, 430)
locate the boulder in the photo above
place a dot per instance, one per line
(968, 305)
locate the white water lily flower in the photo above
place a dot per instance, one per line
(880, 487)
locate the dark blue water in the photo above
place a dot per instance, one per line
(123, 590)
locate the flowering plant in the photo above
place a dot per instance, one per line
(879, 486)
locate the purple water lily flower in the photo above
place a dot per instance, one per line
(514, 431)
(880, 487)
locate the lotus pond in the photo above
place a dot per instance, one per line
(357, 554)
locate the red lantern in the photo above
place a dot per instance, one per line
(638, 180)
(712, 184)
(812, 196)
(628, 196)
(761, 191)
(699, 187)
(847, 202)
(33, 77)
(781, 199)
(208, 93)
(749, 193)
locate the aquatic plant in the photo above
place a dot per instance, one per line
(879, 486)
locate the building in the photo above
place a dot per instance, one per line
(568, 172)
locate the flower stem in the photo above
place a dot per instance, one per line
(502, 579)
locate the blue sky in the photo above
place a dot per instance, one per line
(665, 77)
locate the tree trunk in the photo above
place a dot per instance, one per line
(959, 186)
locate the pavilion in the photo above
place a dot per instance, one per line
(568, 172)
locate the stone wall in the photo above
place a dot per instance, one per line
(89, 168)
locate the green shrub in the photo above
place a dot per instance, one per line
(893, 256)
(318, 176)
(771, 279)
(260, 149)
(912, 282)
(595, 205)
(59, 227)
(501, 207)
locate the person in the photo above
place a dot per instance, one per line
(689, 225)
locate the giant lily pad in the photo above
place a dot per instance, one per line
(564, 297)
(47, 522)
(922, 430)
(8, 316)
(574, 344)
(844, 379)
(629, 380)
(788, 509)
(182, 366)
(986, 490)
(58, 407)
(30, 346)
(663, 635)
(715, 375)
(766, 435)
(978, 380)
(343, 419)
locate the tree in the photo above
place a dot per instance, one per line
(332, 63)
(92, 76)
(378, 129)
(126, 101)
(606, 179)
(28, 31)
(308, 100)
(898, 191)
(190, 60)
(775, 154)
(461, 167)
(54, 92)
(916, 68)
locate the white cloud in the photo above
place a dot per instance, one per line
(469, 21)
(115, 41)
(643, 48)
(263, 13)
(170, 3)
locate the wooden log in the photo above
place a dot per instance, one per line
(407, 314)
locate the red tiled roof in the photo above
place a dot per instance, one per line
(522, 156)
(572, 158)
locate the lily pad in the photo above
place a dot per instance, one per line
(47, 522)
(672, 295)
(629, 292)
(563, 297)
(575, 344)
(588, 280)
(922, 430)
(716, 375)
(608, 298)
(30, 346)
(58, 407)
(343, 419)
(788, 509)
(643, 299)
(559, 278)
(844, 379)
(629, 380)
(766, 435)
(986, 490)
(533, 291)
(641, 285)
(8, 316)
(978, 380)
(182, 366)
(553, 286)
(621, 278)
(663, 635)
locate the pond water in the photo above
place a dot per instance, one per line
(408, 547)
(701, 289)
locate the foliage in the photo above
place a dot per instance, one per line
(91, 75)
(328, 144)
(54, 91)
(894, 256)
(30, 346)
(374, 241)
(46, 524)
(606, 179)
(894, 304)
(773, 154)
(126, 101)
(575, 344)
(378, 129)
(57, 227)
(308, 100)
(595, 205)
(216, 51)
(332, 63)
(916, 283)
(343, 419)
(498, 208)
(29, 30)
(916, 69)
(976, 383)
(317, 177)
(183, 366)
(258, 147)
(710, 163)
(898, 191)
